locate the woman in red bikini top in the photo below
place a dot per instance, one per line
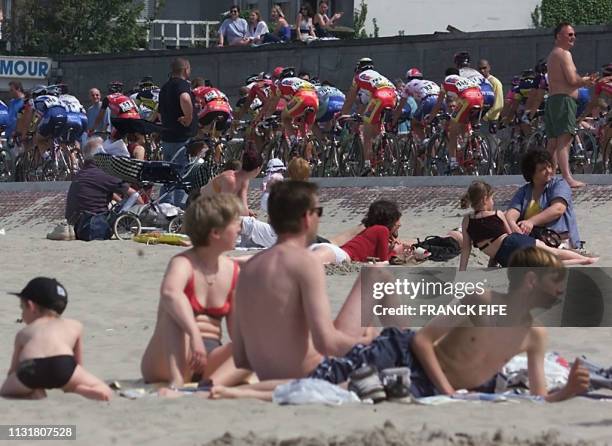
(196, 295)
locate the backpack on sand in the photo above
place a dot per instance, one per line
(441, 248)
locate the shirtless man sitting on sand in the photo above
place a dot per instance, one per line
(283, 325)
(564, 82)
(236, 181)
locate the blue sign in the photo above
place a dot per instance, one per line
(25, 67)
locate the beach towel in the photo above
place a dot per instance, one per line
(312, 391)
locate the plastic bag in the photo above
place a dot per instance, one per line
(312, 391)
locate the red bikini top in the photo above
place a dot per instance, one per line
(216, 312)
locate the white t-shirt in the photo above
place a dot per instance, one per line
(259, 30)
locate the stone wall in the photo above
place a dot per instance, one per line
(508, 51)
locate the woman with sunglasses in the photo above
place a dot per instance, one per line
(234, 29)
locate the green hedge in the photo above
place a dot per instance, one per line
(578, 12)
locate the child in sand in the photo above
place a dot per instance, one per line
(197, 293)
(48, 351)
(489, 231)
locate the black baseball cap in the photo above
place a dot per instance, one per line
(46, 292)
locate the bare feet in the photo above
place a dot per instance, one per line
(222, 392)
(591, 260)
(575, 184)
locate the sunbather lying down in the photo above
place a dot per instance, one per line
(283, 327)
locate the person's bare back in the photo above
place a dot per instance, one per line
(49, 337)
(279, 344)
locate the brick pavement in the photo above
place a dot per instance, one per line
(27, 208)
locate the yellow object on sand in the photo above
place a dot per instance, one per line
(153, 238)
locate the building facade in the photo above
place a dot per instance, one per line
(415, 17)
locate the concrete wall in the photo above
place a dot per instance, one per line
(427, 16)
(508, 51)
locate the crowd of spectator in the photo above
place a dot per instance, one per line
(308, 26)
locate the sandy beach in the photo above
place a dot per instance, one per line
(113, 289)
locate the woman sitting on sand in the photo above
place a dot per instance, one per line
(197, 292)
(489, 231)
(382, 223)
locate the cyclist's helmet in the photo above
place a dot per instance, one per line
(413, 73)
(146, 83)
(364, 63)
(115, 87)
(39, 90)
(54, 90)
(287, 72)
(527, 73)
(462, 59)
(277, 72)
(252, 78)
(606, 70)
(62, 88)
(315, 81)
(541, 67)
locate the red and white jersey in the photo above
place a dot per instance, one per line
(290, 86)
(419, 89)
(204, 95)
(456, 86)
(121, 106)
(261, 90)
(603, 89)
(369, 82)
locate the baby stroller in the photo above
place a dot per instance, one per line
(154, 215)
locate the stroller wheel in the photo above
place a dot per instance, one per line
(176, 225)
(127, 226)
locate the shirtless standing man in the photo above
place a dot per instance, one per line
(564, 82)
(236, 182)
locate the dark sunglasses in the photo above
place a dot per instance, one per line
(572, 34)
(233, 11)
(318, 211)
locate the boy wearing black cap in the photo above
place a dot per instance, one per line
(48, 351)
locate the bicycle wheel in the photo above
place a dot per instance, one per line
(537, 140)
(127, 226)
(406, 160)
(583, 152)
(389, 152)
(437, 162)
(317, 151)
(329, 161)
(176, 225)
(5, 166)
(482, 155)
(353, 158)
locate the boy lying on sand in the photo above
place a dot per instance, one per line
(283, 328)
(49, 350)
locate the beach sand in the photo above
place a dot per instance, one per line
(113, 289)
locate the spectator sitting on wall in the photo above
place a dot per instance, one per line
(257, 27)
(233, 30)
(304, 27)
(282, 30)
(322, 22)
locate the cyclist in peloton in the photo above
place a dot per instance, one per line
(424, 92)
(378, 93)
(146, 97)
(331, 101)
(214, 109)
(45, 112)
(121, 106)
(76, 118)
(302, 102)
(462, 62)
(466, 95)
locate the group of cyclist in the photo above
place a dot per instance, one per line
(306, 105)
